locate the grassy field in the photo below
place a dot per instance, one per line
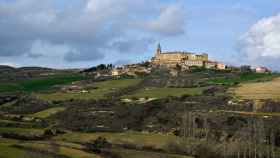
(143, 139)
(257, 91)
(9, 123)
(102, 89)
(252, 77)
(164, 92)
(7, 151)
(39, 84)
(9, 87)
(138, 139)
(8, 104)
(125, 153)
(70, 150)
(66, 149)
(47, 113)
(22, 131)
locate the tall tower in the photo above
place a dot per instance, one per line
(158, 49)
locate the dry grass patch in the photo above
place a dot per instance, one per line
(47, 113)
(258, 91)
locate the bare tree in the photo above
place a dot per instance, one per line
(272, 142)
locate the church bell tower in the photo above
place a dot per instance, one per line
(158, 49)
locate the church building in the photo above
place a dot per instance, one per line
(178, 58)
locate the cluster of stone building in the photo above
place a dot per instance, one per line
(185, 60)
(131, 70)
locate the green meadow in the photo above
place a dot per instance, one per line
(251, 77)
(22, 131)
(144, 154)
(100, 90)
(39, 84)
(152, 92)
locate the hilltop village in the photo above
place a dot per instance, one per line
(184, 60)
(175, 62)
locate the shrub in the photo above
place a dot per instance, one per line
(194, 147)
(50, 132)
(22, 136)
(185, 96)
(207, 151)
(99, 144)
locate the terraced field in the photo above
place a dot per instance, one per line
(138, 139)
(42, 149)
(144, 139)
(7, 151)
(243, 78)
(160, 121)
(66, 149)
(69, 145)
(259, 90)
(21, 131)
(164, 92)
(10, 123)
(39, 84)
(11, 152)
(101, 89)
(143, 154)
(48, 112)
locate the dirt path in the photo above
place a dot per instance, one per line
(260, 114)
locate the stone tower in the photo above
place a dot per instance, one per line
(158, 49)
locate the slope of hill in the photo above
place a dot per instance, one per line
(160, 115)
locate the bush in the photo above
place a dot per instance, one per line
(207, 151)
(50, 132)
(185, 96)
(178, 146)
(210, 91)
(194, 147)
(99, 144)
(22, 136)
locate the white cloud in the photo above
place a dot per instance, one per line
(47, 50)
(261, 44)
(170, 21)
(84, 32)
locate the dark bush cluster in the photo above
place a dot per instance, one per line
(27, 105)
(98, 145)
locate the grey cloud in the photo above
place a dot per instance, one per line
(34, 55)
(171, 21)
(87, 30)
(122, 62)
(12, 49)
(84, 54)
(133, 46)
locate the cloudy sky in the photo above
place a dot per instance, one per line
(83, 33)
